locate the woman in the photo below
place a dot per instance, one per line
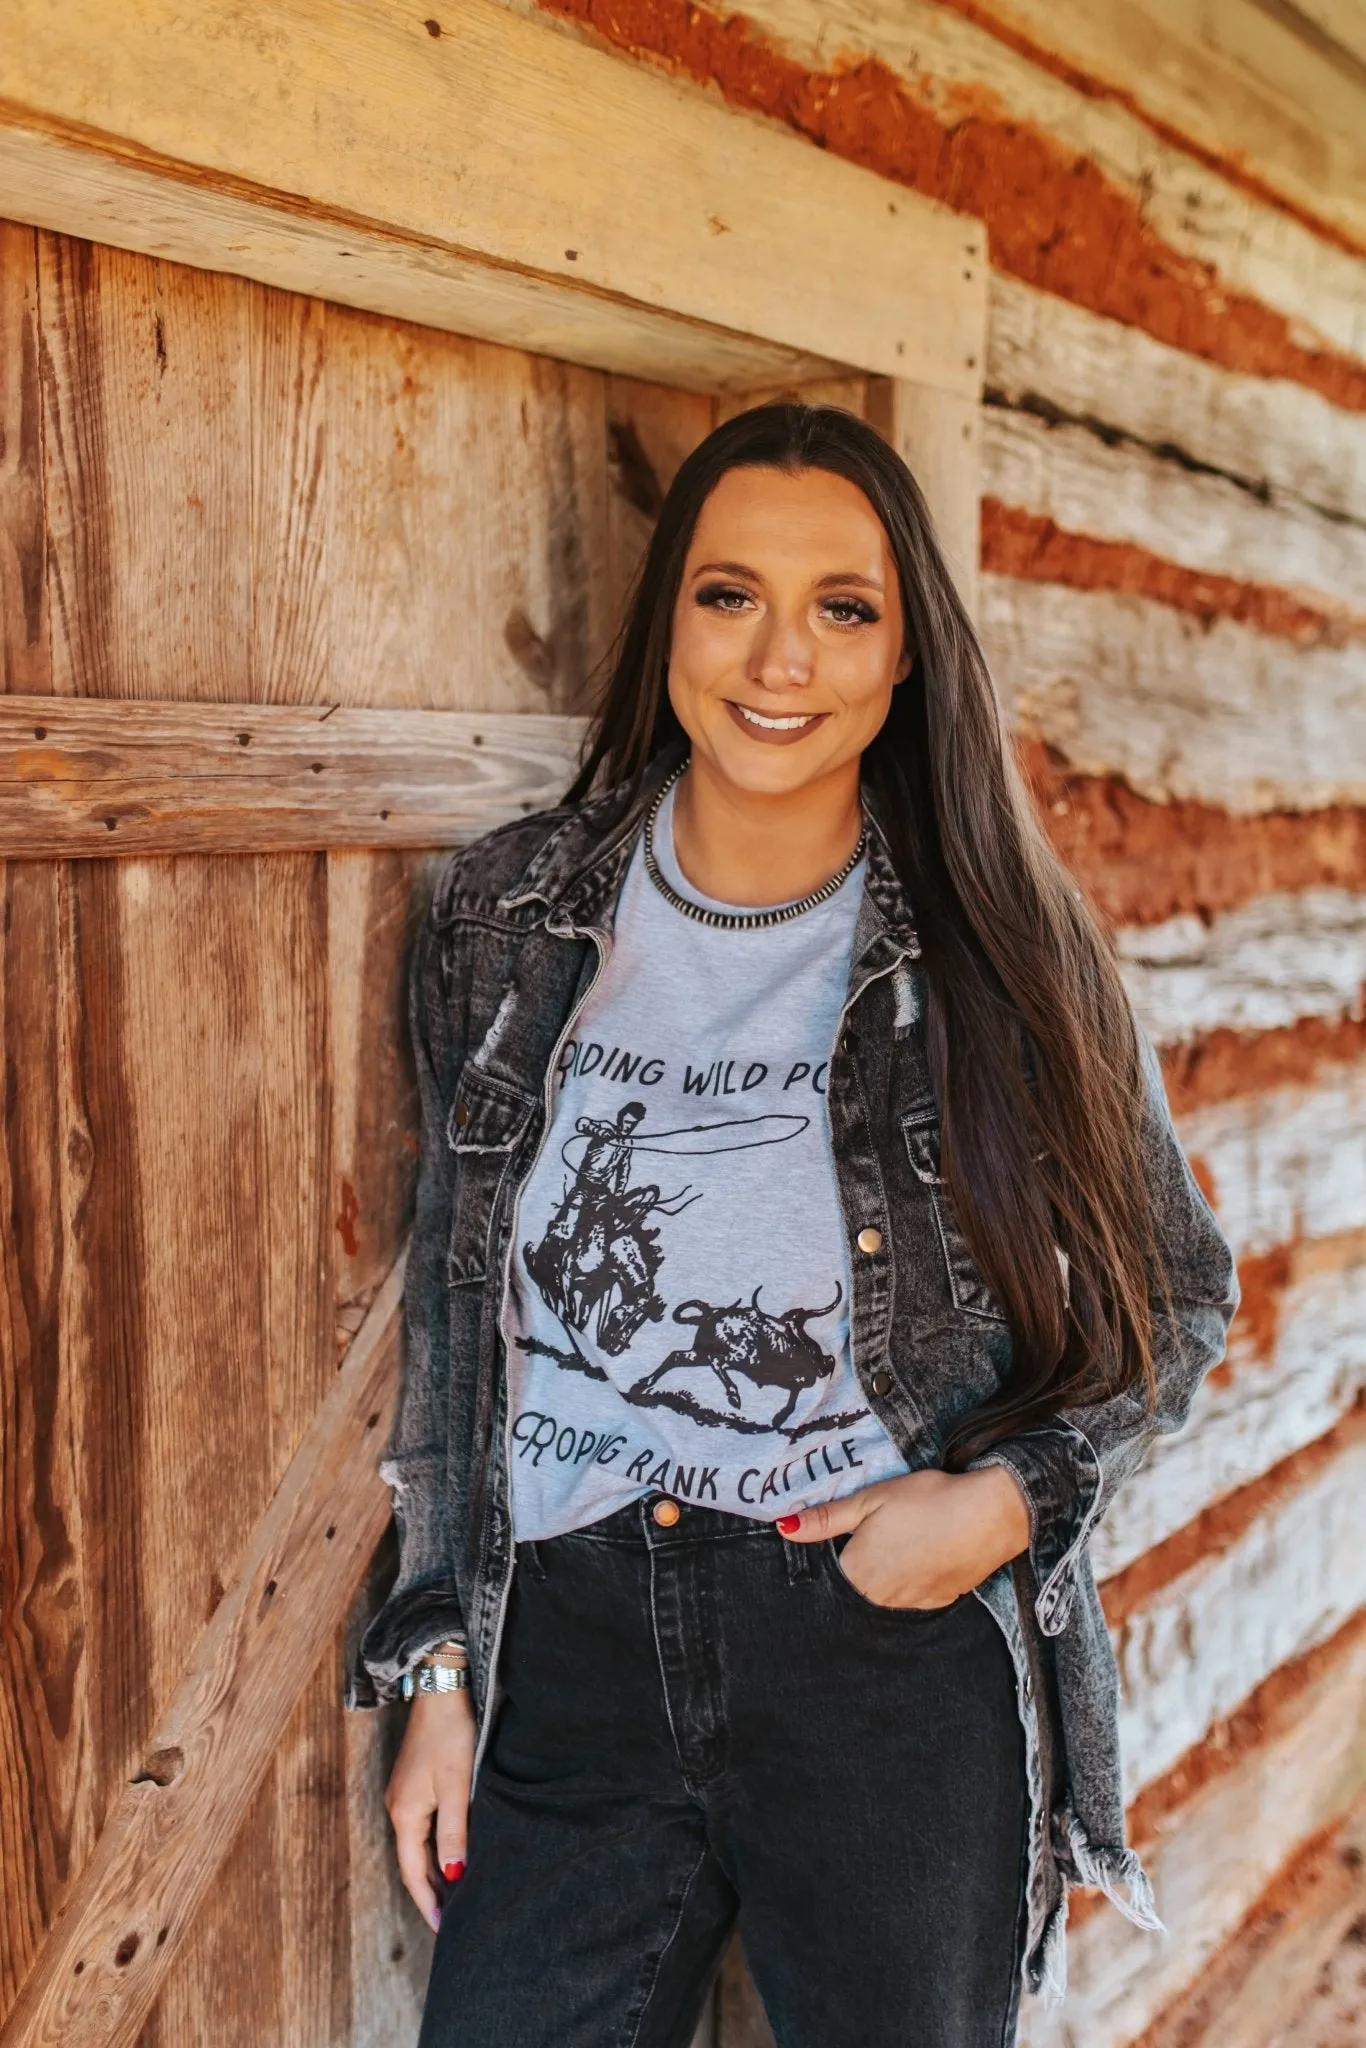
(803, 1257)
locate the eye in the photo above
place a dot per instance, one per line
(849, 611)
(723, 597)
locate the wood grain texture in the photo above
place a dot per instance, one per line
(1287, 1164)
(1212, 1861)
(1237, 82)
(1282, 443)
(147, 428)
(650, 429)
(1262, 966)
(291, 509)
(1245, 1421)
(60, 185)
(1260, 1980)
(25, 660)
(1217, 713)
(941, 443)
(1208, 524)
(644, 173)
(953, 64)
(161, 1847)
(121, 777)
(49, 1721)
(263, 498)
(1200, 1646)
(466, 522)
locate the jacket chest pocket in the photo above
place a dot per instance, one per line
(969, 1290)
(487, 1123)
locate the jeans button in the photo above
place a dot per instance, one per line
(666, 1513)
(870, 1240)
(882, 1382)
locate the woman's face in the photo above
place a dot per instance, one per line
(788, 630)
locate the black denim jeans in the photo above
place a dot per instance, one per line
(702, 1721)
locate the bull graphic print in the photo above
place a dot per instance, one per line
(597, 1266)
(770, 1351)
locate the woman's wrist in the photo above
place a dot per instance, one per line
(999, 1500)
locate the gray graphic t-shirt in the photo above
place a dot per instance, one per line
(678, 1314)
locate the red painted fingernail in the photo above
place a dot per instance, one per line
(789, 1524)
(452, 1872)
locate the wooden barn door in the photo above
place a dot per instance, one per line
(216, 493)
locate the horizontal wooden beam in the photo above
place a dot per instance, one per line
(485, 173)
(81, 777)
(106, 1957)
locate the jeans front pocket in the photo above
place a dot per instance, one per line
(850, 1592)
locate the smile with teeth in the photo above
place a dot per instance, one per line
(776, 724)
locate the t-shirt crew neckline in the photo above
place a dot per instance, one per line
(666, 854)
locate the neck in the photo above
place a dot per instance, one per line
(754, 850)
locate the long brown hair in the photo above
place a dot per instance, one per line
(1034, 1058)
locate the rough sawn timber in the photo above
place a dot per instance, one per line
(954, 66)
(1280, 441)
(1210, 525)
(1199, 1646)
(1260, 967)
(1286, 1163)
(1239, 83)
(1248, 1419)
(1214, 713)
(102, 1964)
(1213, 1859)
(98, 778)
(496, 177)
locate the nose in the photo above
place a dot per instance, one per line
(783, 655)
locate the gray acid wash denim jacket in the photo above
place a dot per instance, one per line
(517, 929)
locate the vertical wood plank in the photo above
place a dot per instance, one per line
(147, 427)
(291, 655)
(940, 439)
(47, 1819)
(189, 1031)
(466, 522)
(650, 429)
(25, 657)
(292, 1179)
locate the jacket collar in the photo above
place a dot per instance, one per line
(578, 871)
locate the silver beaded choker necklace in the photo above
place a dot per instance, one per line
(737, 920)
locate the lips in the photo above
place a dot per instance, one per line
(771, 731)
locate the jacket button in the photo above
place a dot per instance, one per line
(870, 1240)
(666, 1513)
(462, 1115)
(882, 1382)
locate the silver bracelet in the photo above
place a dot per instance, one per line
(435, 1678)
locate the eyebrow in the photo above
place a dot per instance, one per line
(744, 569)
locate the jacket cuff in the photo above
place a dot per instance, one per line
(406, 1627)
(1060, 1477)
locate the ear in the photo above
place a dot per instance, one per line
(906, 665)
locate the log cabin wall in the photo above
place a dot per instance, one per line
(215, 491)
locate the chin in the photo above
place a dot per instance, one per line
(770, 771)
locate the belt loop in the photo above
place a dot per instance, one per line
(800, 1565)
